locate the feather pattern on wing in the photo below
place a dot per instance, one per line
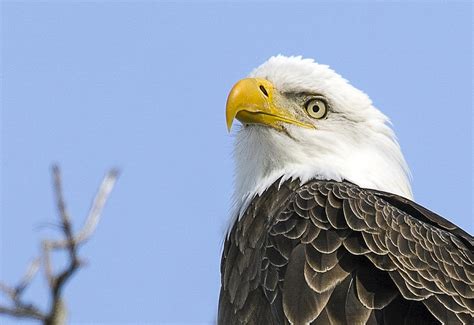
(330, 252)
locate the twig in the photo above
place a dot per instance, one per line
(28, 277)
(21, 312)
(57, 312)
(22, 309)
(94, 214)
(58, 281)
(10, 292)
(48, 268)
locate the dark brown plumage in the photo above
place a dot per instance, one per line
(333, 253)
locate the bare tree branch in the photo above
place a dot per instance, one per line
(7, 290)
(22, 309)
(57, 311)
(21, 312)
(48, 268)
(28, 277)
(25, 281)
(94, 214)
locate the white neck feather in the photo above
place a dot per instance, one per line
(263, 155)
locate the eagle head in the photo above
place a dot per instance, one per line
(301, 120)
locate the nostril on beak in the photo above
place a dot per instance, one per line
(263, 90)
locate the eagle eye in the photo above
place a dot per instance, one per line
(316, 107)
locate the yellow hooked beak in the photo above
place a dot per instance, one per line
(251, 101)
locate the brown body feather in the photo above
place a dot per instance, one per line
(333, 253)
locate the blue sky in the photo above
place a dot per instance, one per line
(142, 86)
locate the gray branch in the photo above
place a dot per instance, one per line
(57, 312)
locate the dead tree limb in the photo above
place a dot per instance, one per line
(57, 313)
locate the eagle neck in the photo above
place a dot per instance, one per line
(263, 156)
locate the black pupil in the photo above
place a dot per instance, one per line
(316, 108)
(264, 91)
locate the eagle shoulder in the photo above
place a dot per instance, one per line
(333, 252)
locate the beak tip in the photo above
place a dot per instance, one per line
(229, 122)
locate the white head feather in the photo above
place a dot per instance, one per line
(353, 143)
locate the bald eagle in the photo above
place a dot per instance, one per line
(324, 229)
